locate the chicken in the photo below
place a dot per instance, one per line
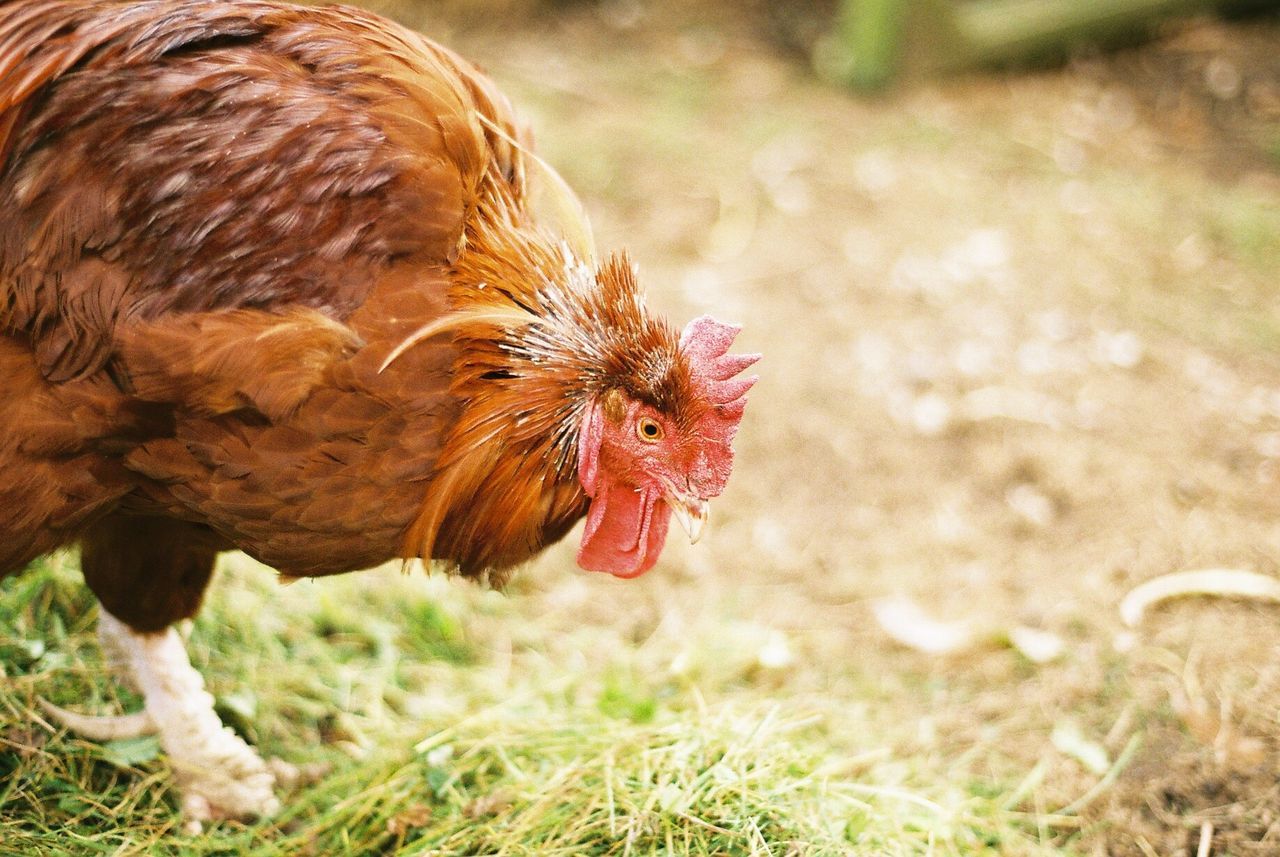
(273, 281)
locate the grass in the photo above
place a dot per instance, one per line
(436, 743)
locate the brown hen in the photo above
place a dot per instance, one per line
(271, 282)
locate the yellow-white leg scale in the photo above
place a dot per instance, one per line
(218, 774)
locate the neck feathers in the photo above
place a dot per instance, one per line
(540, 334)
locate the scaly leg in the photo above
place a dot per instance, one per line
(113, 639)
(218, 773)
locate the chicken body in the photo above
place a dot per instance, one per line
(216, 220)
(219, 223)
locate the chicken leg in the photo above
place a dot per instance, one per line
(220, 776)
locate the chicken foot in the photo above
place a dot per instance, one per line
(220, 776)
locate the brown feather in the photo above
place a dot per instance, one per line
(218, 223)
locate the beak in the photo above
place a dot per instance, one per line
(690, 512)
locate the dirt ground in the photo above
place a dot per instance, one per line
(1021, 340)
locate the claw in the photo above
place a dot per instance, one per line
(101, 728)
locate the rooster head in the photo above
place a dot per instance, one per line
(657, 443)
(570, 383)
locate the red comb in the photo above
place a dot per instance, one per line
(706, 342)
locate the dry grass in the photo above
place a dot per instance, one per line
(1021, 355)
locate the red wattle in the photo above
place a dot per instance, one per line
(625, 529)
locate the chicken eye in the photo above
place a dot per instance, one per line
(649, 430)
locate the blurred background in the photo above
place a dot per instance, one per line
(1013, 268)
(1013, 265)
